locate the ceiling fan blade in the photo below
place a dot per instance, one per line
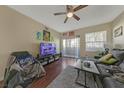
(66, 19)
(61, 13)
(69, 8)
(79, 7)
(76, 17)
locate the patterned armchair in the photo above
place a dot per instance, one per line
(21, 69)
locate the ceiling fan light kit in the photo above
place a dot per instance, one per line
(70, 12)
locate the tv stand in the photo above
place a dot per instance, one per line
(45, 60)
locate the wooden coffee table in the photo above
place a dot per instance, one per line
(79, 65)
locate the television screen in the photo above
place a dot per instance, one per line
(47, 49)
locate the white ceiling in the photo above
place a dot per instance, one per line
(91, 15)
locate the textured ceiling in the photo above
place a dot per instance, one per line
(91, 15)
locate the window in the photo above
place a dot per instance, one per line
(95, 41)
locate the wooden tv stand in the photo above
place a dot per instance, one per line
(45, 60)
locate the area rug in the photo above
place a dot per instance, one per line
(66, 79)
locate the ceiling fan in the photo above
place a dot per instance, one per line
(70, 12)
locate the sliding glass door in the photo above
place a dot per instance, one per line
(71, 47)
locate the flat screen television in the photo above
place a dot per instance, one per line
(47, 49)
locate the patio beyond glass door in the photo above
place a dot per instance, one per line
(71, 47)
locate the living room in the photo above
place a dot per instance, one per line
(23, 28)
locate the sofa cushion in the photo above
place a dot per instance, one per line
(122, 66)
(119, 77)
(118, 54)
(110, 82)
(104, 70)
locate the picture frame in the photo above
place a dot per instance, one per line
(118, 32)
(39, 35)
(46, 35)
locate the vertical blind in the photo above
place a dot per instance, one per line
(71, 47)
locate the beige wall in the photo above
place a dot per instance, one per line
(17, 33)
(83, 31)
(118, 42)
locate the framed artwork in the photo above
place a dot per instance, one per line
(39, 35)
(46, 35)
(118, 32)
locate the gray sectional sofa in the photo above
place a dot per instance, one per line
(108, 72)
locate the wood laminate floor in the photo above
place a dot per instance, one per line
(53, 70)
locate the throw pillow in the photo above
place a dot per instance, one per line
(105, 58)
(110, 61)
